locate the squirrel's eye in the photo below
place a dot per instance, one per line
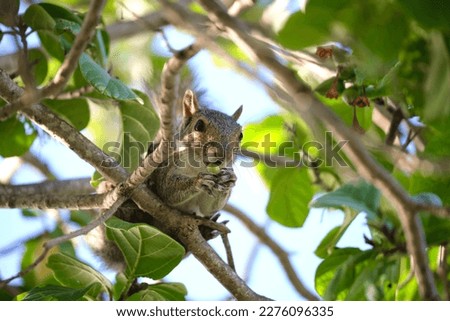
(241, 136)
(200, 126)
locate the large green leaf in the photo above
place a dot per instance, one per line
(290, 192)
(376, 280)
(161, 292)
(19, 138)
(147, 251)
(56, 293)
(60, 12)
(75, 110)
(140, 124)
(271, 137)
(336, 274)
(103, 82)
(74, 274)
(38, 19)
(52, 44)
(362, 197)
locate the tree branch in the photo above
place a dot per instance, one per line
(47, 201)
(71, 186)
(282, 256)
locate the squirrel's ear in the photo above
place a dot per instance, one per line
(237, 113)
(190, 103)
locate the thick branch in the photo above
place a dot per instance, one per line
(71, 186)
(47, 201)
(282, 256)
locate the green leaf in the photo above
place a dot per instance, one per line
(437, 229)
(306, 29)
(39, 65)
(56, 11)
(30, 213)
(68, 26)
(51, 44)
(8, 12)
(161, 292)
(329, 242)
(435, 184)
(436, 136)
(270, 136)
(19, 138)
(56, 293)
(290, 192)
(100, 48)
(362, 197)
(41, 274)
(103, 82)
(336, 274)
(121, 285)
(82, 218)
(375, 280)
(38, 19)
(140, 124)
(75, 111)
(74, 274)
(147, 251)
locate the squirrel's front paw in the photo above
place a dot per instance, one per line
(216, 184)
(206, 182)
(226, 178)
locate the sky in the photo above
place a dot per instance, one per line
(265, 276)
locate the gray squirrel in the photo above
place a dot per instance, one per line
(196, 179)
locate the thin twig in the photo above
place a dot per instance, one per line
(282, 256)
(226, 244)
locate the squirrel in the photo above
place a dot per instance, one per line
(196, 179)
